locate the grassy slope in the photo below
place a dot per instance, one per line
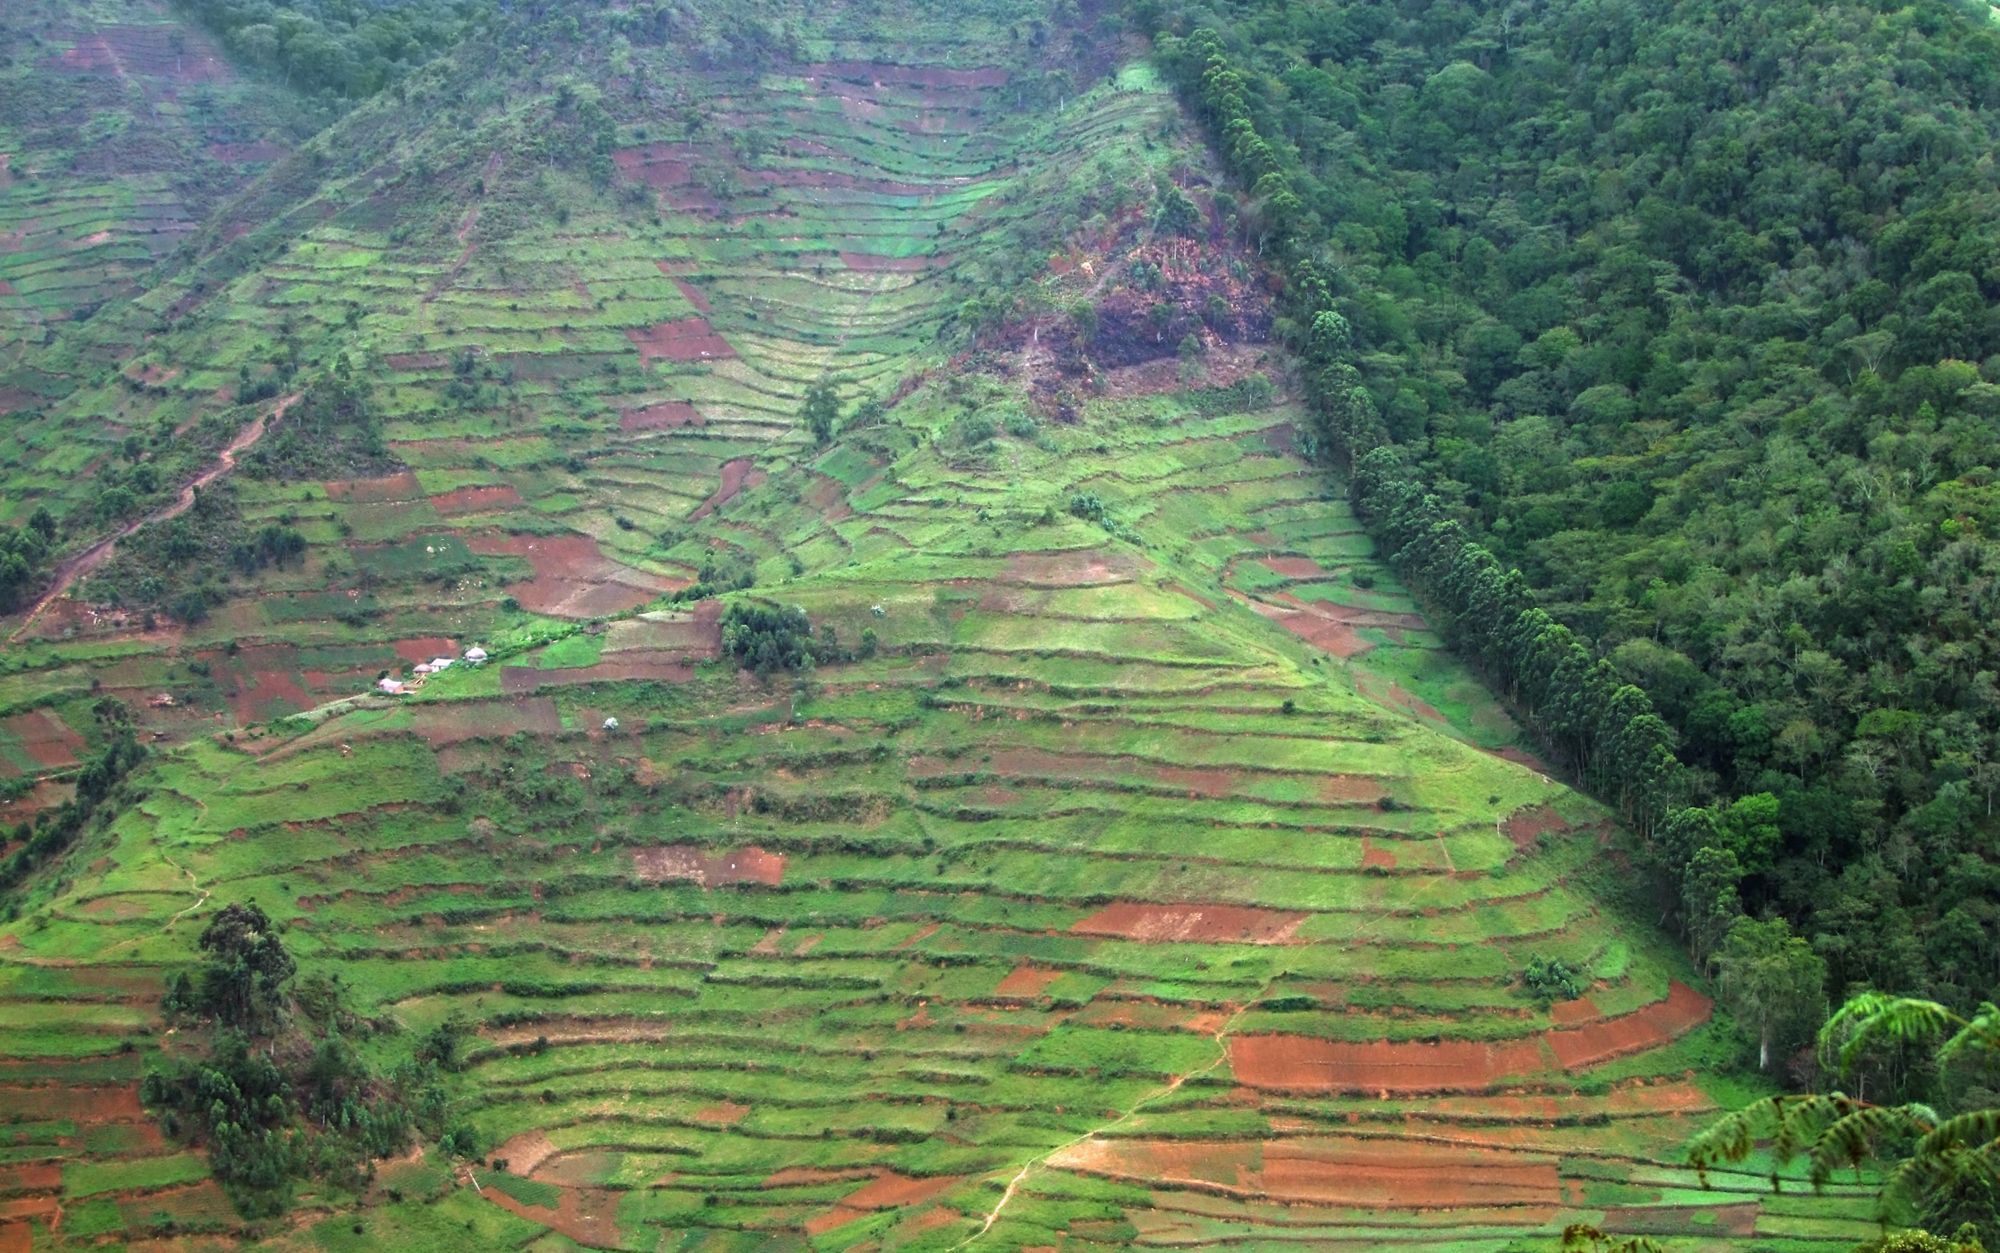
(918, 1017)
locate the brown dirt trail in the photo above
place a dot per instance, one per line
(97, 554)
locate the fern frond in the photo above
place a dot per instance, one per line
(1730, 1138)
(1980, 1035)
(1935, 1174)
(1792, 1124)
(1856, 1135)
(1973, 1130)
(1875, 1017)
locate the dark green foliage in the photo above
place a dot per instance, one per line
(722, 570)
(1177, 213)
(243, 984)
(23, 554)
(178, 565)
(444, 1044)
(345, 47)
(242, 1102)
(821, 411)
(330, 432)
(765, 638)
(282, 1094)
(55, 830)
(1630, 359)
(1549, 979)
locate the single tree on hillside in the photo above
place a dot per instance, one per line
(821, 411)
(1773, 981)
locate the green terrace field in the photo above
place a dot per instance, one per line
(1146, 875)
(1047, 913)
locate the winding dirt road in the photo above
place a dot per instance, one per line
(67, 574)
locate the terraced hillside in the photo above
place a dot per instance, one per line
(123, 128)
(1141, 872)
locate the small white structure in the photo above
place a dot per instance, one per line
(475, 655)
(440, 664)
(393, 687)
(422, 667)
(611, 724)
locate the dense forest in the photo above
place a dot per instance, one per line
(1683, 310)
(346, 47)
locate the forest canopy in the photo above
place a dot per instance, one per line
(348, 47)
(1686, 311)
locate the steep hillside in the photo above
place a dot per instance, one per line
(121, 129)
(1130, 866)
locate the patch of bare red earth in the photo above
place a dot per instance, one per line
(572, 576)
(1394, 695)
(721, 1114)
(389, 488)
(264, 694)
(886, 1191)
(1350, 1173)
(686, 339)
(1527, 825)
(668, 415)
(1144, 1015)
(484, 499)
(1086, 568)
(1026, 981)
(1169, 924)
(49, 741)
(709, 868)
(588, 1216)
(736, 475)
(1306, 1064)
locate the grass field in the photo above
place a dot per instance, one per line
(1155, 880)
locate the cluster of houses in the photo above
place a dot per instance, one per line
(393, 686)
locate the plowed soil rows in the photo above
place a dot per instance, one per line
(1305, 1064)
(1078, 569)
(46, 738)
(709, 868)
(1162, 924)
(1363, 1174)
(736, 475)
(688, 339)
(1026, 981)
(888, 1191)
(881, 74)
(476, 499)
(1302, 1063)
(1646, 1028)
(667, 415)
(872, 263)
(384, 490)
(573, 578)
